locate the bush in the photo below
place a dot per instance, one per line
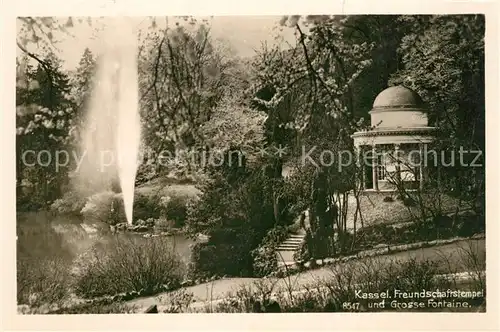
(227, 252)
(173, 207)
(236, 211)
(108, 207)
(146, 207)
(43, 262)
(177, 301)
(388, 199)
(163, 224)
(176, 208)
(468, 225)
(295, 228)
(98, 308)
(105, 207)
(264, 256)
(202, 263)
(409, 202)
(71, 202)
(331, 294)
(130, 264)
(42, 281)
(414, 275)
(442, 222)
(303, 254)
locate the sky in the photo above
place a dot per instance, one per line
(243, 33)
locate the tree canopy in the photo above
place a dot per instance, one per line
(197, 95)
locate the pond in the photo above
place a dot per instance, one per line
(44, 234)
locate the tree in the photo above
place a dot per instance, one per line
(185, 79)
(82, 79)
(443, 60)
(308, 93)
(44, 122)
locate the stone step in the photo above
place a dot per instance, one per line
(293, 241)
(297, 236)
(288, 247)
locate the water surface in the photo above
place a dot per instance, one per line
(47, 234)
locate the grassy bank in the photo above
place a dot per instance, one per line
(59, 263)
(336, 289)
(331, 288)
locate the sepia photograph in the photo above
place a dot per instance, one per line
(250, 164)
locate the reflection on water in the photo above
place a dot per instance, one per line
(43, 234)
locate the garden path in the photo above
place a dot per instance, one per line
(219, 289)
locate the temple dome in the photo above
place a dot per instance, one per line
(398, 97)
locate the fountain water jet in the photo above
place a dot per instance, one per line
(112, 135)
(128, 133)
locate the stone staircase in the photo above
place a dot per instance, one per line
(287, 249)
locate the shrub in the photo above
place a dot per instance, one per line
(163, 224)
(333, 292)
(176, 208)
(235, 211)
(264, 256)
(42, 281)
(375, 275)
(130, 264)
(227, 252)
(43, 262)
(438, 227)
(467, 225)
(388, 233)
(442, 222)
(388, 199)
(105, 207)
(414, 275)
(71, 202)
(98, 308)
(173, 206)
(295, 228)
(202, 261)
(146, 207)
(108, 207)
(177, 301)
(473, 260)
(302, 254)
(408, 201)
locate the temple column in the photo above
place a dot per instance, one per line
(374, 167)
(361, 167)
(421, 166)
(397, 164)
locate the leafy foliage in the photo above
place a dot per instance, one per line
(129, 265)
(105, 207)
(197, 97)
(44, 125)
(265, 256)
(43, 262)
(443, 60)
(236, 211)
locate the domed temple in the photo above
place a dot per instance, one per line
(390, 153)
